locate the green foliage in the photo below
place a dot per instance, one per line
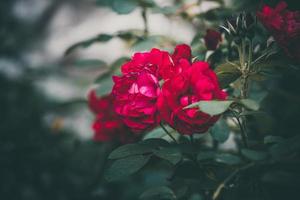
(159, 193)
(220, 131)
(212, 107)
(126, 166)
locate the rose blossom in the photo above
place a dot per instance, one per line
(108, 126)
(284, 25)
(212, 39)
(196, 83)
(137, 89)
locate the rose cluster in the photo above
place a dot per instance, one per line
(284, 25)
(155, 87)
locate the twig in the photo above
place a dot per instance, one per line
(145, 20)
(219, 189)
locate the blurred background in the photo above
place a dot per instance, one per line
(46, 151)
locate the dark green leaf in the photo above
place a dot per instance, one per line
(227, 158)
(125, 167)
(158, 193)
(211, 107)
(220, 131)
(129, 150)
(249, 103)
(270, 139)
(173, 155)
(285, 148)
(87, 43)
(90, 63)
(206, 155)
(254, 155)
(155, 143)
(227, 73)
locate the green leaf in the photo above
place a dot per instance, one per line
(146, 43)
(285, 148)
(227, 158)
(123, 7)
(126, 166)
(254, 155)
(173, 155)
(227, 73)
(196, 197)
(270, 139)
(220, 131)
(213, 107)
(250, 104)
(158, 193)
(90, 63)
(105, 86)
(86, 43)
(206, 155)
(155, 133)
(155, 142)
(129, 150)
(166, 10)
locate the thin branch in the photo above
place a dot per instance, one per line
(243, 132)
(145, 20)
(219, 189)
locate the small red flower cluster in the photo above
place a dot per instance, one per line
(108, 125)
(156, 86)
(284, 25)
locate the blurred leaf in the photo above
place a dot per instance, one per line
(155, 142)
(227, 73)
(270, 139)
(125, 167)
(166, 10)
(129, 150)
(90, 63)
(196, 197)
(119, 62)
(158, 193)
(229, 159)
(146, 43)
(249, 103)
(171, 154)
(105, 86)
(86, 43)
(213, 107)
(123, 7)
(206, 155)
(216, 14)
(279, 177)
(254, 155)
(285, 148)
(220, 131)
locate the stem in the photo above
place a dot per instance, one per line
(228, 179)
(168, 133)
(145, 20)
(243, 132)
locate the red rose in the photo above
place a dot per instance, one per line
(212, 39)
(181, 59)
(284, 25)
(196, 83)
(135, 99)
(147, 61)
(108, 125)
